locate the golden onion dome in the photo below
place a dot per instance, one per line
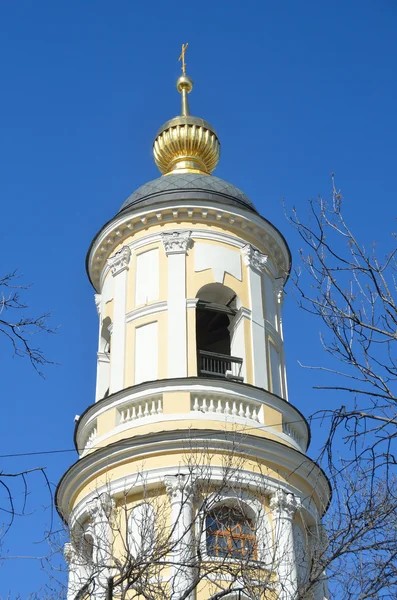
(186, 144)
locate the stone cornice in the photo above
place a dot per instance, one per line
(140, 447)
(244, 480)
(249, 227)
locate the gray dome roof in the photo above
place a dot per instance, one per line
(187, 186)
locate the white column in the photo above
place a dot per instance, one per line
(100, 511)
(102, 378)
(318, 546)
(74, 579)
(176, 244)
(255, 262)
(180, 491)
(119, 264)
(283, 508)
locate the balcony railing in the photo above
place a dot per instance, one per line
(212, 364)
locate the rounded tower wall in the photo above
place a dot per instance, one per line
(155, 279)
(191, 433)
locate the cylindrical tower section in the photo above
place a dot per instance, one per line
(191, 459)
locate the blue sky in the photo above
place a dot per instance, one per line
(295, 90)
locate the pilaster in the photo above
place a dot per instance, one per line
(74, 580)
(255, 262)
(176, 244)
(283, 508)
(180, 491)
(119, 265)
(100, 511)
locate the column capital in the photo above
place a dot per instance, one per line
(254, 258)
(119, 261)
(176, 485)
(69, 553)
(284, 505)
(101, 506)
(176, 242)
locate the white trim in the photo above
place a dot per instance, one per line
(195, 416)
(199, 234)
(145, 311)
(223, 387)
(147, 479)
(191, 303)
(244, 222)
(209, 441)
(242, 313)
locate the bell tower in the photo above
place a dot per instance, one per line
(191, 408)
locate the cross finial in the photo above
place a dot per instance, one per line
(182, 58)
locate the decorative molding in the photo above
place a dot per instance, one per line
(144, 311)
(178, 485)
(199, 415)
(191, 302)
(120, 261)
(103, 357)
(242, 223)
(176, 242)
(98, 299)
(151, 478)
(69, 553)
(284, 505)
(193, 385)
(171, 442)
(242, 313)
(101, 506)
(254, 258)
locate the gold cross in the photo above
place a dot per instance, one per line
(182, 58)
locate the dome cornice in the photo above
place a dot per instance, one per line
(242, 223)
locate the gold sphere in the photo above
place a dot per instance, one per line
(184, 83)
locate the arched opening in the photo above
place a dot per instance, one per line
(230, 533)
(216, 308)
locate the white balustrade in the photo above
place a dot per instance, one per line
(146, 407)
(224, 405)
(91, 435)
(290, 430)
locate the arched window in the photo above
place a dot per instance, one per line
(230, 533)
